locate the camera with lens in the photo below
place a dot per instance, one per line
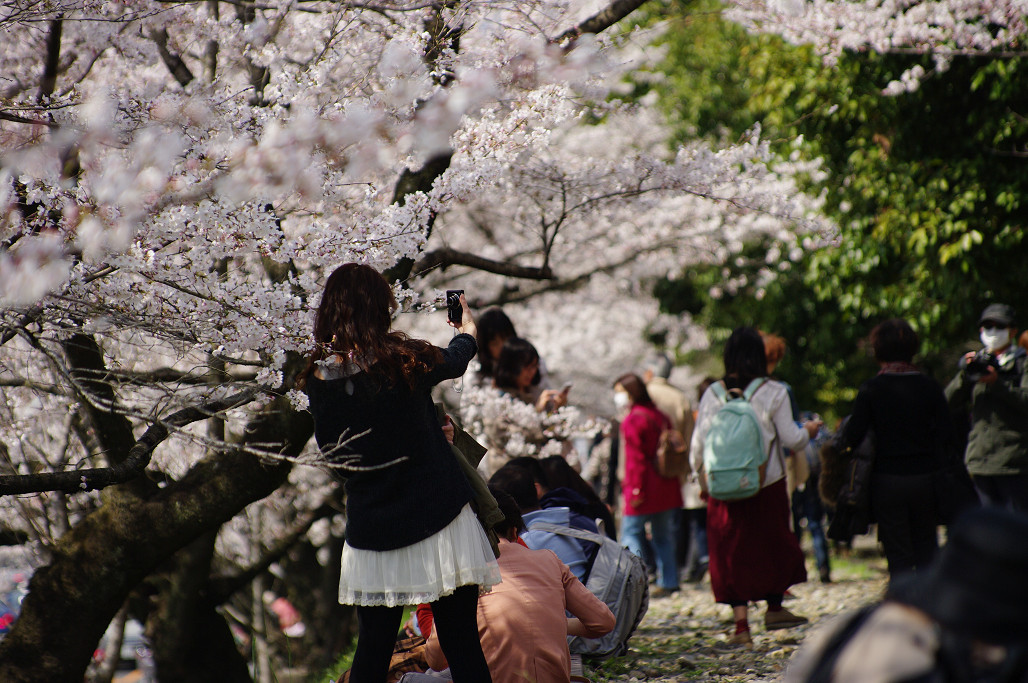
(454, 311)
(978, 366)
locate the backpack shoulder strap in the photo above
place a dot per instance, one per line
(720, 391)
(568, 531)
(753, 386)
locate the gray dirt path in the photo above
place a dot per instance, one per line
(682, 637)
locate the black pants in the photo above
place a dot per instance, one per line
(456, 618)
(904, 507)
(691, 549)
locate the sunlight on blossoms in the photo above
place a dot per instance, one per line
(30, 271)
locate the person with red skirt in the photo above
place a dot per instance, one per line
(753, 553)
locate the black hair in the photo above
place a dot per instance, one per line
(704, 385)
(491, 323)
(534, 467)
(515, 355)
(518, 483)
(512, 518)
(560, 474)
(744, 356)
(894, 340)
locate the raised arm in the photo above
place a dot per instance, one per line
(456, 356)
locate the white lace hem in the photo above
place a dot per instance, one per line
(458, 555)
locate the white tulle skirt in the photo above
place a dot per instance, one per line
(458, 555)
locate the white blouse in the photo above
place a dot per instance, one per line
(773, 408)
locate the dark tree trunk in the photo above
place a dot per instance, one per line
(314, 590)
(190, 639)
(96, 564)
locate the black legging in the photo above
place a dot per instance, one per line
(455, 617)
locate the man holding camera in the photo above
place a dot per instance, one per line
(994, 383)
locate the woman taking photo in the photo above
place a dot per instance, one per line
(909, 418)
(753, 553)
(650, 499)
(411, 536)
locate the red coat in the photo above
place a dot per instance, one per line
(640, 432)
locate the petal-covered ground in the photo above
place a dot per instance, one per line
(682, 637)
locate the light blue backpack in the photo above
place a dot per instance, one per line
(734, 453)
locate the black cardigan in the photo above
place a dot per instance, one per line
(910, 419)
(406, 502)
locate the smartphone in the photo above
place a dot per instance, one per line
(454, 311)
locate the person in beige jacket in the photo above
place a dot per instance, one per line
(522, 622)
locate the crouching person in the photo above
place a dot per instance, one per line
(522, 622)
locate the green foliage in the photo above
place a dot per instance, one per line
(925, 187)
(341, 666)
(823, 373)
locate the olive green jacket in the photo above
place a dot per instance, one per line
(998, 442)
(469, 453)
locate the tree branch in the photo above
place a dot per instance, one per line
(133, 466)
(222, 588)
(599, 22)
(174, 63)
(48, 82)
(410, 181)
(14, 118)
(446, 257)
(569, 284)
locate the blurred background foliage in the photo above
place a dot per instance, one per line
(927, 188)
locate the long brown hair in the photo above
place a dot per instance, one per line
(353, 321)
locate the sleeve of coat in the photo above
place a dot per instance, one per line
(632, 428)
(790, 434)
(434, 653)
(589, 609)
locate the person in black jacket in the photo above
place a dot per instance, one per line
(909, 418)
(411, 534)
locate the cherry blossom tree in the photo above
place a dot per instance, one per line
(942, 27)
(177, 178)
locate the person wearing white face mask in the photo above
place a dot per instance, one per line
(993, 385)
(649, 499)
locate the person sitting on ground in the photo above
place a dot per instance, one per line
(518, 483)
(518, 375)
(523, 622)
(561, 476)
(550, 498)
